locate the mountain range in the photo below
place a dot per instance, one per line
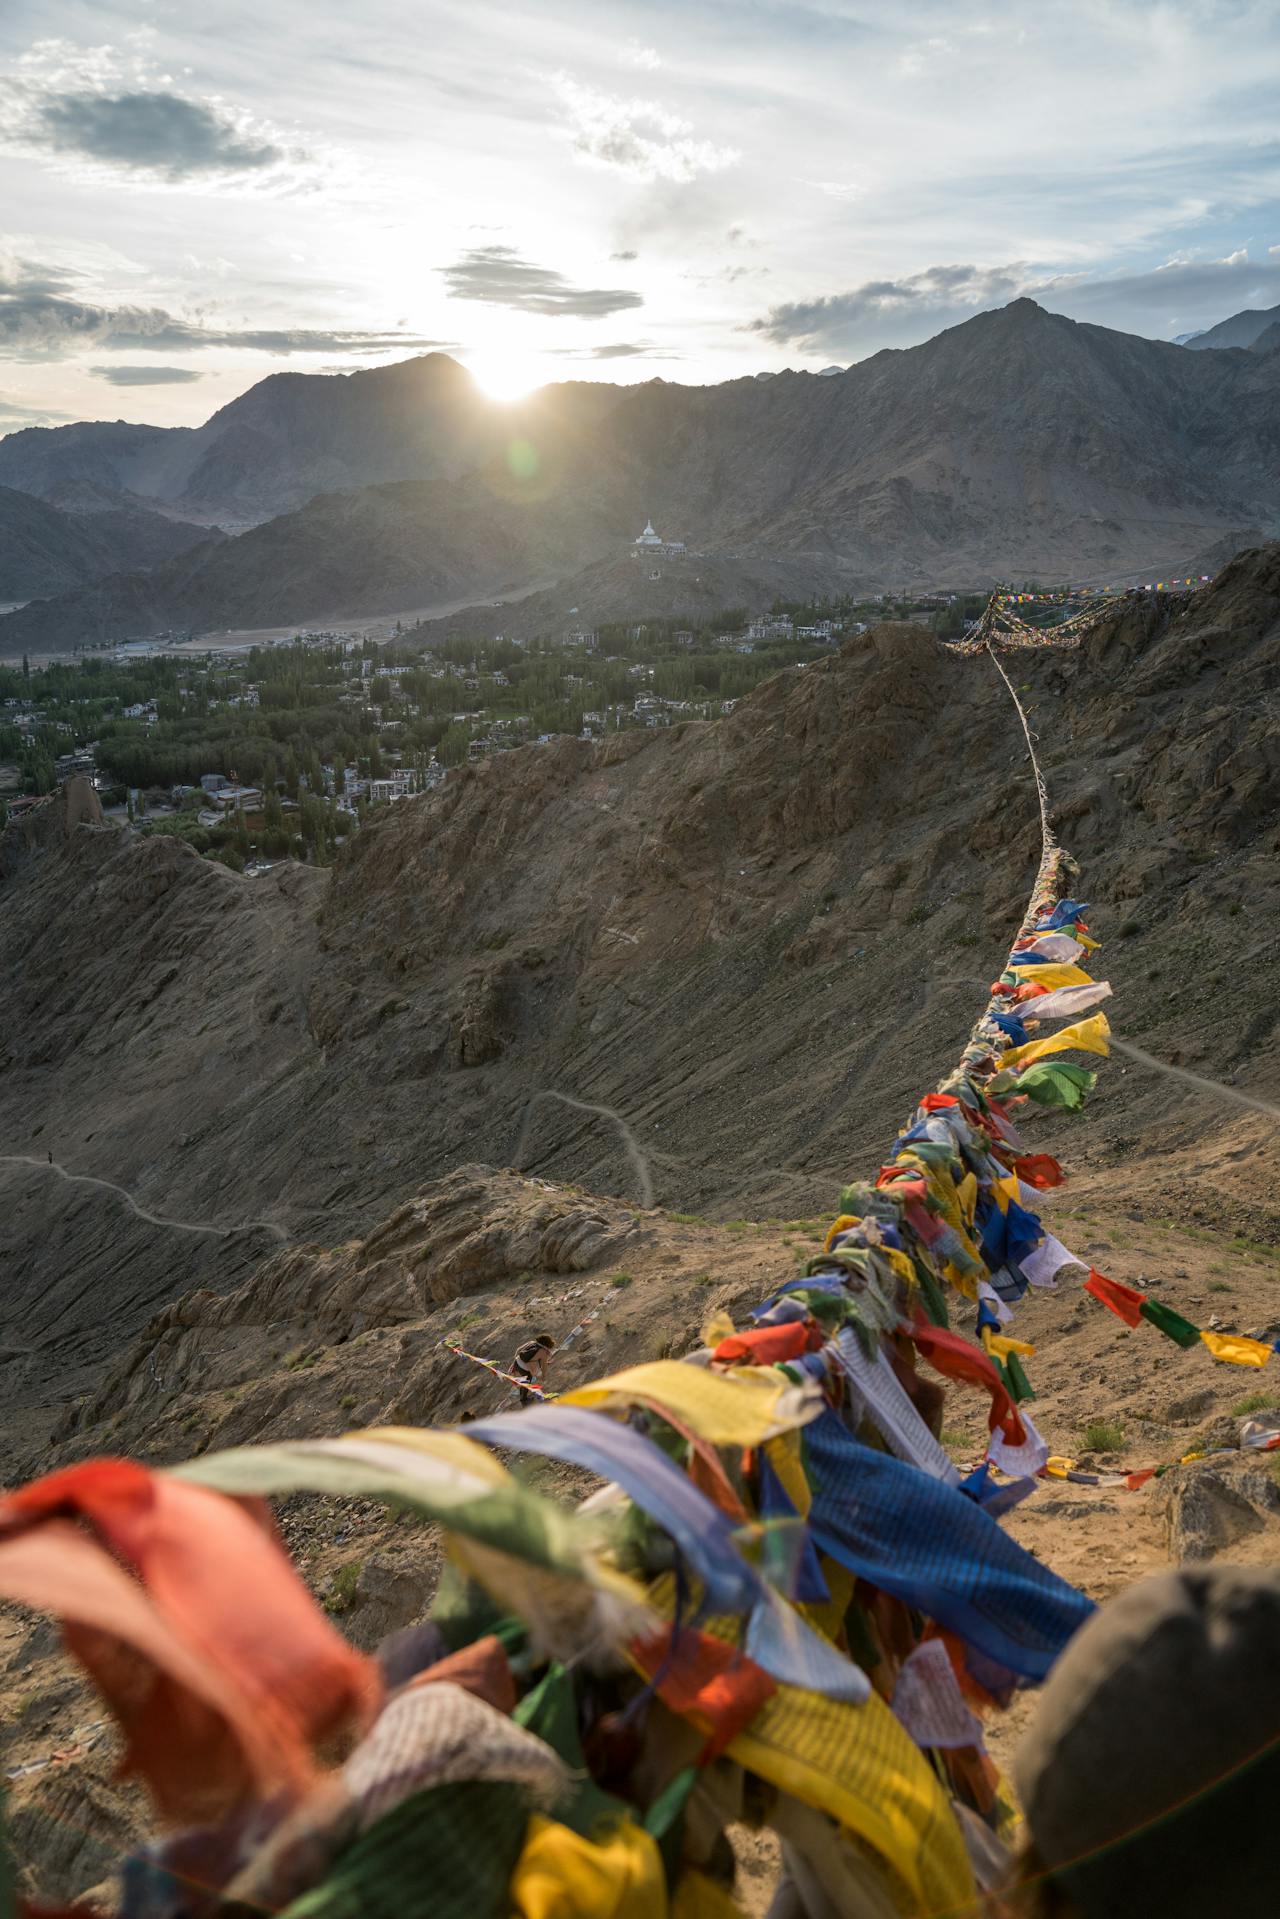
(1257, 329)
(1018, 444)
(48, 548)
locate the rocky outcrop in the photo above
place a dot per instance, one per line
(1213, 1506)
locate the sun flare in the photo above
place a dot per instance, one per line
(507, 376)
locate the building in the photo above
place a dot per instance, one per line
(80, 764)
(651, 545)
(235, 799)
(397, 786)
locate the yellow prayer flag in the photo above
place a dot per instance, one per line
(1051, 977)
(857, 1764)
(1236, 1350)
(560, 1875)
(1086, 1036)
(900, 1263)
(1001, 1345)
(838, 1226)
(698, 1897)
(744, 1410)
(1003, 1191)
(783, 1454)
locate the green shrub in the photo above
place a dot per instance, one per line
(1103, 1435)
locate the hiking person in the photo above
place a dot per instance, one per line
(1151, 1772)
(530, 1363)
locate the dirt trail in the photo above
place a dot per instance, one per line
(635, 1153)
(152, 1219)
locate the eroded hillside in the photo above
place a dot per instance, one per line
(750, 943)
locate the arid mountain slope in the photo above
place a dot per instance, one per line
(46, 550)
(1018, 444)
(752, 943)
(1241, 330)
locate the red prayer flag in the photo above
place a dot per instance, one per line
(706, 1681)
(219, 1665)
(1039, 1169)
(769, 1345)
(955, 1358)
(1123, 1300)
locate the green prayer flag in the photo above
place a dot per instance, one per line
(551, 1710)
(1169, 1322)
(1020, 1387)
(1051, 1082)
(664, 1821)
(935, 1305)
(457, 1845)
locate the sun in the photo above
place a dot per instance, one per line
(507, 376)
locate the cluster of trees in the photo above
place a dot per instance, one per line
(312, 834)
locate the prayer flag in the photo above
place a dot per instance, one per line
(1087, 1036)
(1236, 1350)
(1056, 1083)
(1169, 1322)
(1123, 1300)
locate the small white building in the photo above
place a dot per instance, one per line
(653, 546)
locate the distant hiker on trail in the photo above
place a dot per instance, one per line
(530, 1363)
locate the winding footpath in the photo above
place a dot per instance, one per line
(152, 1219)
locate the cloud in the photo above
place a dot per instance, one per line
(835, 189)
(158, 133)
(106, 110)
(1175, 298)
(145, 375)
(648, 59)
(629, 253)
(42, 318)
(14, 414)
(500, 277)
(637, 137)
(618, 350)
(927, 300)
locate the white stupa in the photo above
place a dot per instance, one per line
(649, 537)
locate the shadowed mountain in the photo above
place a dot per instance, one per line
(46, 550)
(1242, 329)
(1019, 444)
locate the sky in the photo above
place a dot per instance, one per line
(197, 193)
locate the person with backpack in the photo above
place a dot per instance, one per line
(530, 1363)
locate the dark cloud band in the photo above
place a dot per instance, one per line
(159, 133)
(146, 375)
(499, 276)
